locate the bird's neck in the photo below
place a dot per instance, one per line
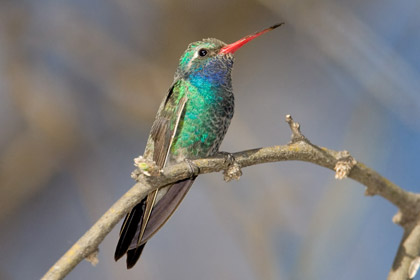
(208, 82)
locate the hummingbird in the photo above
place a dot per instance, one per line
(191, 123)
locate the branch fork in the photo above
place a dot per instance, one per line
(295, 128)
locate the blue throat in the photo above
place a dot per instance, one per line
(214, 76)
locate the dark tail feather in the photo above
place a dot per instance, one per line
(128, 230)
(164, 208)
(134, 255)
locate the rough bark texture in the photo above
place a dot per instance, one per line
(298, 149)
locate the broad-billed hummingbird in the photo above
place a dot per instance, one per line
(191, 123)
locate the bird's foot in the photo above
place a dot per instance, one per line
(145, 167)
(194, 169)
(233, 170)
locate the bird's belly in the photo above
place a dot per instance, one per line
(198, 137)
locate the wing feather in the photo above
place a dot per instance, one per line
(148, 216)
(161, 161)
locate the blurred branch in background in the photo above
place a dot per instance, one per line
(300, 149)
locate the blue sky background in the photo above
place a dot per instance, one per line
(81, 82)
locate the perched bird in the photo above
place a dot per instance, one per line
(191, 123)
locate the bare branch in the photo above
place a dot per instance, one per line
(299, 149)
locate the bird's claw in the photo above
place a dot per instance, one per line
(194, 169)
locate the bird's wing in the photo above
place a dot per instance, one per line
(163, 137)
(148, 216)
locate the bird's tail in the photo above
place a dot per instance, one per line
(130, 231)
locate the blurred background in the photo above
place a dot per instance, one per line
(81, 82)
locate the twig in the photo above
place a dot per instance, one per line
(299, 149)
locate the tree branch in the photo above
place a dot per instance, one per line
(298, 149)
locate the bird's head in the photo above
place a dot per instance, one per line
(211, 58)
(204, 58)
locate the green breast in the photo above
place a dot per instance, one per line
(205, 120)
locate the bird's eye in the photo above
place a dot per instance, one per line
(202, 52)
